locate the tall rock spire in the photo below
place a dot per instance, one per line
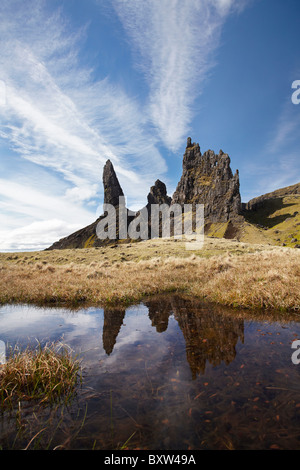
(112, 188)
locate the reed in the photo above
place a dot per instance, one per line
(47, 375)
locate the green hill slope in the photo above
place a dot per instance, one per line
(273, 218)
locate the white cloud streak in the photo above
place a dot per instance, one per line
(174, 41)
(56, 115)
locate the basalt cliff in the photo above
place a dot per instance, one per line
(206, 179)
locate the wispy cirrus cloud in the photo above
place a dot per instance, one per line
(286, 129)
(174, 42)
(56, 114)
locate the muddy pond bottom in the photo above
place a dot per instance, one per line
(167, 374)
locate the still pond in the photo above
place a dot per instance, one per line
(169, 373)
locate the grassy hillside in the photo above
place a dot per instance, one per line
(273, 218)
(275, 221)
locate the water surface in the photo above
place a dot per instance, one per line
(165, 374)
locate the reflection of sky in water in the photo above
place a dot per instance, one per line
(121, 336)
(137, 332)
(21, 324)
(83, 331)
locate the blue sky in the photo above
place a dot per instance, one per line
(86, 80)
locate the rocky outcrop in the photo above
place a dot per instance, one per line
(258, 202)
(112, 188)
(158, 194)
(207, 179)
(87, 237)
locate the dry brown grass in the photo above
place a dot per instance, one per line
(48, 374)
(226, 272)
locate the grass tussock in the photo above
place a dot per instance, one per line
(48, 375)
(224, 271)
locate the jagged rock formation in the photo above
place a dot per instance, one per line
(207, 179)
(112, 188)
(158, 194)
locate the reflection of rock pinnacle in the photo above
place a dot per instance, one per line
(113, 320)
(159, 315)
(209, 336)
